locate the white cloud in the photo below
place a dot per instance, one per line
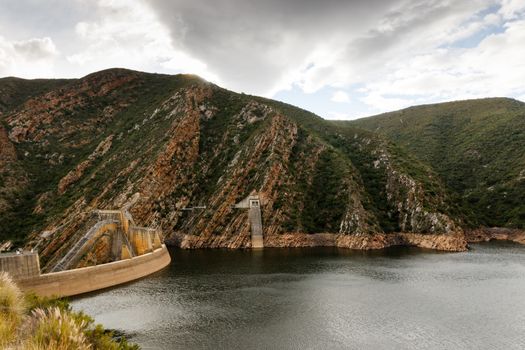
(381, 103)
(28, 58)
(36, 48)
(397, 52)
(129, 35)
(340, 97)
(511, 9)
(496, 67)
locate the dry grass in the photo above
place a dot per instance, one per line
(55, 329)
(12, 307)
(34, 323)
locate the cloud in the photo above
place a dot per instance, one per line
(496, 67)
(262, 47)
(340, 97)
(382, 54)
(381, 103)
(511, 9)
(27, 57)
(36, 48)
(128, 34)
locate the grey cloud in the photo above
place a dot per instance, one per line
(251, 44)
(36, 48)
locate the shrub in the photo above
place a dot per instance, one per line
(11, 310)
(55, 329)
(36, 323)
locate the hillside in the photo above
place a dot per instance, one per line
(158, 144)
(15, 91)
(476, 146)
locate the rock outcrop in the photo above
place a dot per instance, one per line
(486, 234)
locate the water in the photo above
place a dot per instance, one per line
(324, 298)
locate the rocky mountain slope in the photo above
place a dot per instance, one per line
(159, 144)
(476, 146)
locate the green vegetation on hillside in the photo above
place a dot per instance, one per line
(81, 128)
(325, 197)
(476, 146)
(178, 140)
(360, 149)
(14, 91)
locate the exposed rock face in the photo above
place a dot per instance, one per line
(44, 115)
(495, 233)
(180, 152)
(451, 243)
(78, 172)
(408, 199)
(457, 140)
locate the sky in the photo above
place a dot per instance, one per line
(341, 59)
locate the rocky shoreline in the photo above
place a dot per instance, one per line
(486, 234)
(443, 242)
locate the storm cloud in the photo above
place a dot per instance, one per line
(372, 55)
(264, 46)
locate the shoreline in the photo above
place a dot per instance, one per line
(443, 242)
(454, 242)
(487, 234)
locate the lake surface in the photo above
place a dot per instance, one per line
(324, 298)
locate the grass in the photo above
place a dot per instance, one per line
(28, 322)
(54, 328)
(12, 307)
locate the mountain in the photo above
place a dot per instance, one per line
(15, 91)
(160, 144)
(476, 146)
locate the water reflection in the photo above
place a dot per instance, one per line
(329, 298)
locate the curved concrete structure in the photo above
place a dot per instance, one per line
(88, 279)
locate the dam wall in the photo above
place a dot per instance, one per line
(88, 279)
(20, 265)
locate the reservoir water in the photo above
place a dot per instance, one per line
(324, 298)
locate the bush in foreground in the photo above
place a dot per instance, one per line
(12, 307)
(32, 323)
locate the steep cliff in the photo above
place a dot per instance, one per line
(168, 146)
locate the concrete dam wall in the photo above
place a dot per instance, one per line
(20, 265)
(88, 279)
(136, 252)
